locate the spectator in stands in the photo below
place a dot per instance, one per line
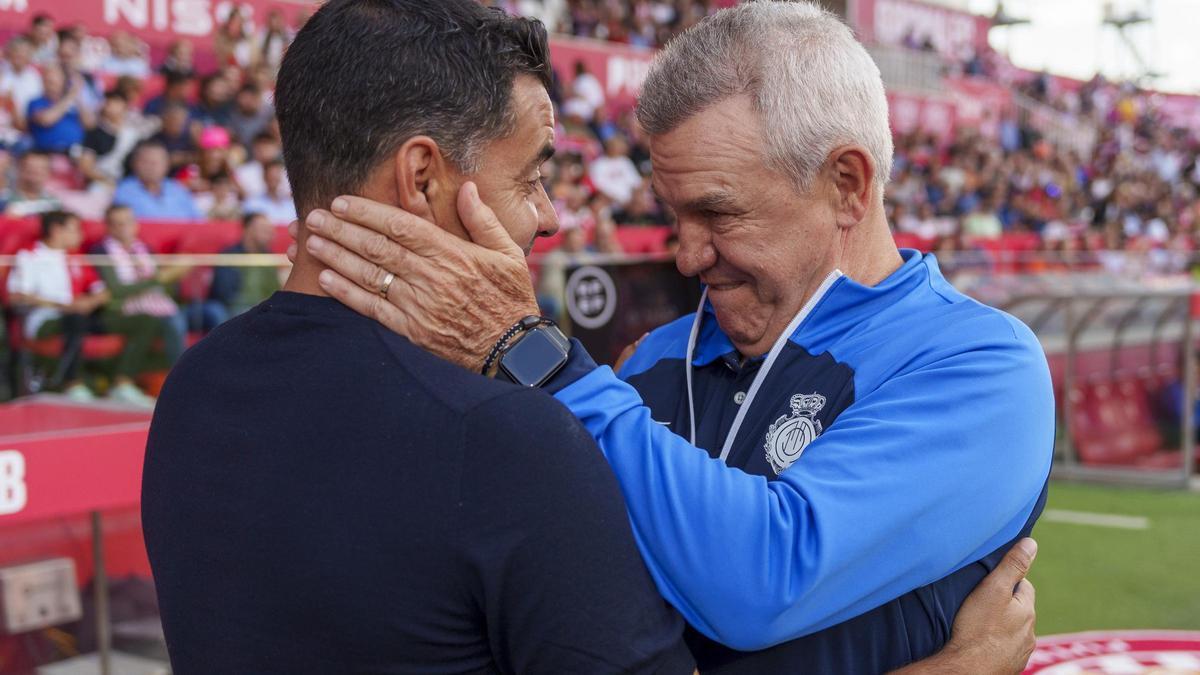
(220, 202)
(642, 208)
(603, 126)
(177, 91)
(58, 297)
(264, 150)
(44, 39)
(137, 285)
(251, 114)
(150, 193)
(236, 289)
(213, 161)
(570, 203)
(126, 57)
(571, 251)
(614, 174)
(108, 144)
(587, 88)
(272, 41)
(215, 106)
(234, 76)
(176, 136)
(232, 43)
(178, 62)
(982, 222)
(30, 195)
(70, 57)
(130, 88)
(276, 202)
(605, 236)
(58, 118)
(20, 81)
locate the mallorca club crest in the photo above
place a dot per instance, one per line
(790, 435)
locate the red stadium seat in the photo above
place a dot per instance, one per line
(1113, 424)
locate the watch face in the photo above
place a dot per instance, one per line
(534, 359)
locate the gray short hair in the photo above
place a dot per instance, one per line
(812, 82)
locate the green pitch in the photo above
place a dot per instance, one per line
(1091, 577)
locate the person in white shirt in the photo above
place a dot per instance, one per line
(20, 81)
(275, 203)
(57, 297)
(615, 174)
(44, 39)
(587, 87)
(249, 176)
(105, 147)
(125, 57)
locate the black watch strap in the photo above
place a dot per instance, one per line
(528, 323)
(531, 357)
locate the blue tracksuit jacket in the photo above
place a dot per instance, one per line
(898, 446)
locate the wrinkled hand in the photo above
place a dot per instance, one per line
(994, 630)
(452, 297)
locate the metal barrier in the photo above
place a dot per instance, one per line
(1077, 326)
(907, 69)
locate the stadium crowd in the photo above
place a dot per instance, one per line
(93, 128)
(1135, 190)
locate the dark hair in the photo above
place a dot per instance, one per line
(41, 17)
(208, 80)
(249, 216)
(175, 78)
(364, 76)
(148, 143)
(52, 220)
(67, 35)
(113, 208)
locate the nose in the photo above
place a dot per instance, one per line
(547, 216)
(696, 251)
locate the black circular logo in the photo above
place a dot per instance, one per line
(591, 297)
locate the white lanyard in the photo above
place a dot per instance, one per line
(762, 372)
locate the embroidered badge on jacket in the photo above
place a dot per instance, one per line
(790, 434)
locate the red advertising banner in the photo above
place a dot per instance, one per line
(1118, 653)
(889, 22)
(621, 69)
(157, 22)
(911, 112)
(980, 104)
(59, 459)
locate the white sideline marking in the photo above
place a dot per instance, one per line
(1096, 519)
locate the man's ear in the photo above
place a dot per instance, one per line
(420, 177)
(853, 175)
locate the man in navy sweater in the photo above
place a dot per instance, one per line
(444, 522)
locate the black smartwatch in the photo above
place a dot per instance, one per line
(533, 355)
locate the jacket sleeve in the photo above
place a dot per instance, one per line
(931, 471)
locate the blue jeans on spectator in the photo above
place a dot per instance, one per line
(206, 315)
(175, 329)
